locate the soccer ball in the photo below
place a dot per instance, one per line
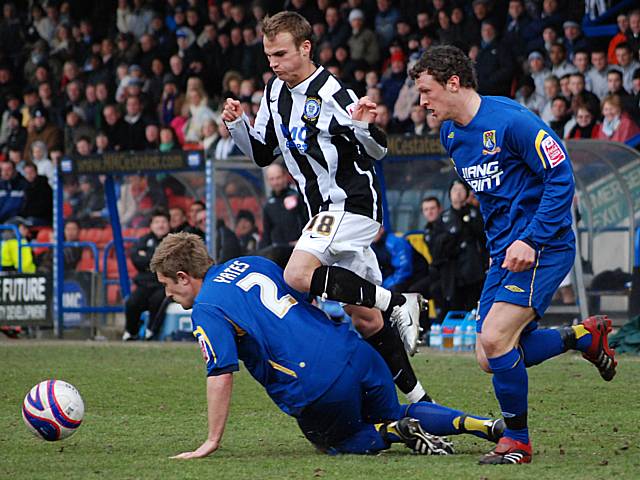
(53, 410)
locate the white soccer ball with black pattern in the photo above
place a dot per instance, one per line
(53, 410)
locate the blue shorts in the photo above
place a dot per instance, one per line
(341, 420)
(532, 288)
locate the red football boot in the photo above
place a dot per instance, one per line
(507, 452)
(599, 353)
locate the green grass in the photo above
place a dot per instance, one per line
(147, 402)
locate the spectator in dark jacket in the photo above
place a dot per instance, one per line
(494, 64)
(149, 293)
(395, 258)
(12, 191)
(90, 203)
(38, 205)
(133, 136)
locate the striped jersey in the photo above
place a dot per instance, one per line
(329, 155)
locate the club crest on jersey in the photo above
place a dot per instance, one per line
(311, 110)
(489, 143)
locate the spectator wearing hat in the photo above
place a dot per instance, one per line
(597, 74)
(494, 64)
(188, 49)
(622, 21)
(626, 64)
(37, 209)
(573, 38)
(394, 79)
(41, 129)
(616, 125)
(528, 97)
(12, 191)
(538, 71)
(363, 43)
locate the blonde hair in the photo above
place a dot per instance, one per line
(613, 100)
(181, 252)
(288, 22)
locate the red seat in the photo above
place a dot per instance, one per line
(87, 262)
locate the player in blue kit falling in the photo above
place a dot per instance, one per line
(522, 176)
(334, 383)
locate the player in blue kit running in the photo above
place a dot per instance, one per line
(334, 383)
(522, 176)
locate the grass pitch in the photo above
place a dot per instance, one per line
(146, 402)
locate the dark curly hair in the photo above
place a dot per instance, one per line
(444, 61)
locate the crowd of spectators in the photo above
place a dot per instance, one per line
(81, 78)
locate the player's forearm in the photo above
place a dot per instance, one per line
(249, 142)
(372, 139)
(218, 400)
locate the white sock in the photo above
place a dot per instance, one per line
(383, 298)
(416, 394)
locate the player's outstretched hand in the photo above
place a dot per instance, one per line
(207, 448)
(232, 110)
(365, 110)
(519, 257)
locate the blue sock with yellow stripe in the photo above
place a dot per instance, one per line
(583, 337)
(511, 384)
(440, 420)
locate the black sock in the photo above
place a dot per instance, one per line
(342, 285)
(568, 336)
(388, 344)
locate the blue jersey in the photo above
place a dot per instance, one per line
(520, 172)
(246, 311)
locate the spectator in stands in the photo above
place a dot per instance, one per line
(560, 66)
(573, 38)
(149, 293)
(527, 96)
(494, 64)
(614, 83)
(517, 23)
(247, 232)
(626, 64)
(538, 71)
(385, 22)
(75, 128)
(178, 220)
(363, 43)
(102, 143)
(598, 74)
(113, 126)
(199, 112)
(172, 100)
(551, 90)
(585, 123)
(394, 79)
(462, 251)
(561, 114)
(11, 250)
(38, 205)
(633, 32)
(152, 136)
(168, 140)
(577, 88)
(418, 122)
(44, 131)
(622, 20)
(16, 134)
(433, 125)
(40, 158)
(195, 207)
(227, 244)
(582, 63)
(338, 31)
(90, 205)
(132, 136)
(616, 125)
(72, 255)
(12, 191)
(15, 156)
(564, 86)
(283, 215)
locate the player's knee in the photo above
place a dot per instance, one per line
(493, 343)
(483, 363)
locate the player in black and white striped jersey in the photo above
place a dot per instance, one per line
(328, 140)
